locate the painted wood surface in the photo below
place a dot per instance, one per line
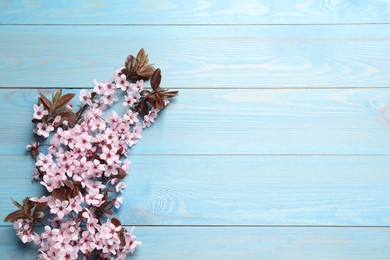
(237, 190)
(233, 243)
(193, 12)
(277, 147)
(200, 57)
(305, 121)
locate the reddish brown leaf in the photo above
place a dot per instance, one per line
(59, 193)
(68, 115)
(122, 239)
(120, 151)
(108, 211)
(17, 204)
(68, 184)
(62, 101)
(40, 205)
(116, 222)
(15, 215)
(156, 79)
(146, 71)
(170, 93)
(121, 173)
(38, 215)
(142, 58)
(80, 216)
(46, 103)
(131, 64)
(56, 96)
(27, 205)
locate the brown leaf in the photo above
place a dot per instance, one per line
(105, 196)
(17, 204)
(63, 100)
(131, 64)
(156, 79)
(146, 71)
(73, 192)
(170, 93)
(80, 216)
(56, 96)
(122, 239)
(121, 173)
(144, 93)
(38, 215)
(68, 115)
(27, 205)
(109, 204)
(142, 58)
(46, 103)
(15, 215)
(59, 193)
(120, 151)
(68, 183)
(108, 211)
(40, 205)
(36, 121)
(116, 222)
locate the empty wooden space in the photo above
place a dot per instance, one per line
(277, 147)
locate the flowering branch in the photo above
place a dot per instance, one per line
(85, 164)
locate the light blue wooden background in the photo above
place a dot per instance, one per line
(278, 146)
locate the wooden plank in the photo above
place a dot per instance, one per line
(231, 243)
(315, 121)
(199, 57)
(237, 190)
(193, 12)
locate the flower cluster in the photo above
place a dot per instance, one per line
(85, 164)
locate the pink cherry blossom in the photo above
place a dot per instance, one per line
(60, 208)
(44, 129)
(44, 161)
(138, 86)
(85, 97)
(122, 83)
(39, 111)
(118, 202)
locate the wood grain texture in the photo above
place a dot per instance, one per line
(321, 121)
(193, 12)
(240, 243)
(199, 57)
(237, 190)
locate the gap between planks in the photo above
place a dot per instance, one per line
(194, 25)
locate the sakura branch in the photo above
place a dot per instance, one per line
(85, 164)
